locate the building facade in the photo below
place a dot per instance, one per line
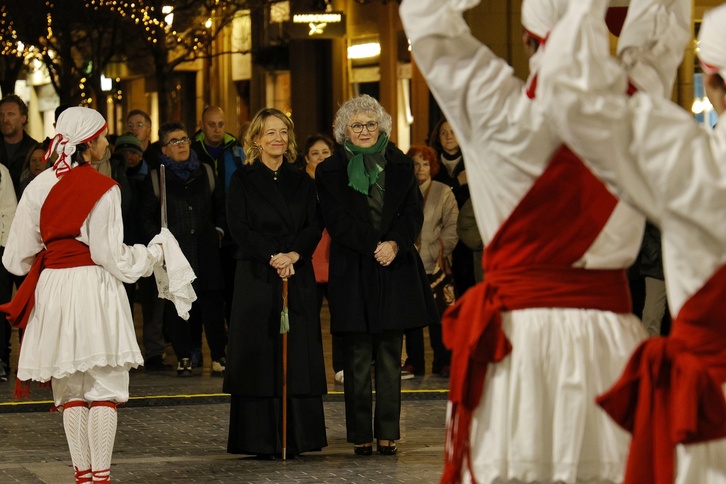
(308, 69)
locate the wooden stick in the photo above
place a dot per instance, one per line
(284, 377)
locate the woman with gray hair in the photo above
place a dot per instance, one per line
(377, 286)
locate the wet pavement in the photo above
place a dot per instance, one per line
(174, 430)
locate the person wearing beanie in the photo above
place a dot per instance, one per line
(550, 327)
(670, 396)
(128, 142)
(78, 330)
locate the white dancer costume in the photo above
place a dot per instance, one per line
(67, 236)
(658, 158)
(537, 420)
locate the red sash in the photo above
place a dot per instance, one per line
(670, 391)
(66, 207)
(528, 264)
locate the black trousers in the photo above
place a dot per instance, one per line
(415, 349)
(359, 350)
(209, 309)
(336, 341)
(229, 266)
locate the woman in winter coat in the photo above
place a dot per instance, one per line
(272, 213)
(377, 285)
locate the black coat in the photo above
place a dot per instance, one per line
(15, 164)
(266, 217)
(136, 177)
(193, 214)
(365, 296)
(219, 165)
(461, 192)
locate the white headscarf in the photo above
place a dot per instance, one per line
(75, 126)
(540, 16)
(712, 41)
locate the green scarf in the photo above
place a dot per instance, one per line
(360, 177)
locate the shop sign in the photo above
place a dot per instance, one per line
(317, 25)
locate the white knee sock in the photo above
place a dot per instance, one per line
(75, 418)
(102, 420)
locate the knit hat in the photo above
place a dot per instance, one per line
(712, 41)
(128, 142)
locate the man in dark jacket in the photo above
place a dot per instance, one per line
(214, 146)
(139, 123)
(15, 142)
(221, 150)
(196, 217)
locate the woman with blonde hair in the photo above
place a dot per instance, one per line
(273, 215)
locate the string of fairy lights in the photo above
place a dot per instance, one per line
(152, 20)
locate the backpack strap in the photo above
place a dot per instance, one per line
(210, 176)
(155, 181)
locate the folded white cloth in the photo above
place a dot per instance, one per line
(174, 277)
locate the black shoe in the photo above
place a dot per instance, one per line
(387, 449)
(363, 449)
(196, 357)
(265, 457)
(184, 367)
(156, 363)
(3, 372)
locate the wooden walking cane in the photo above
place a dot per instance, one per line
(284, 329)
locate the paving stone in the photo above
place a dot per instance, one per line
(187, 444)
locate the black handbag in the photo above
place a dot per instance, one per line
(442, 283)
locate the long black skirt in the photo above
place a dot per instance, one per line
(255, 425)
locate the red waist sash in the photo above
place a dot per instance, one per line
(60, 254)
(472, 330)
(670, 391)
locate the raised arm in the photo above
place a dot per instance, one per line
(649, 149)
(471, 84)
(652, 43)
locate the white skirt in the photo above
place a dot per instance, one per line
(538, 420)
(703, 463)
(81, 320)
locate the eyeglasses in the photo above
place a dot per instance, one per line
(371, 126)
(140, 124)
(177, 142)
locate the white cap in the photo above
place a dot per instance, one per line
(540, 16)
(712, 41)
